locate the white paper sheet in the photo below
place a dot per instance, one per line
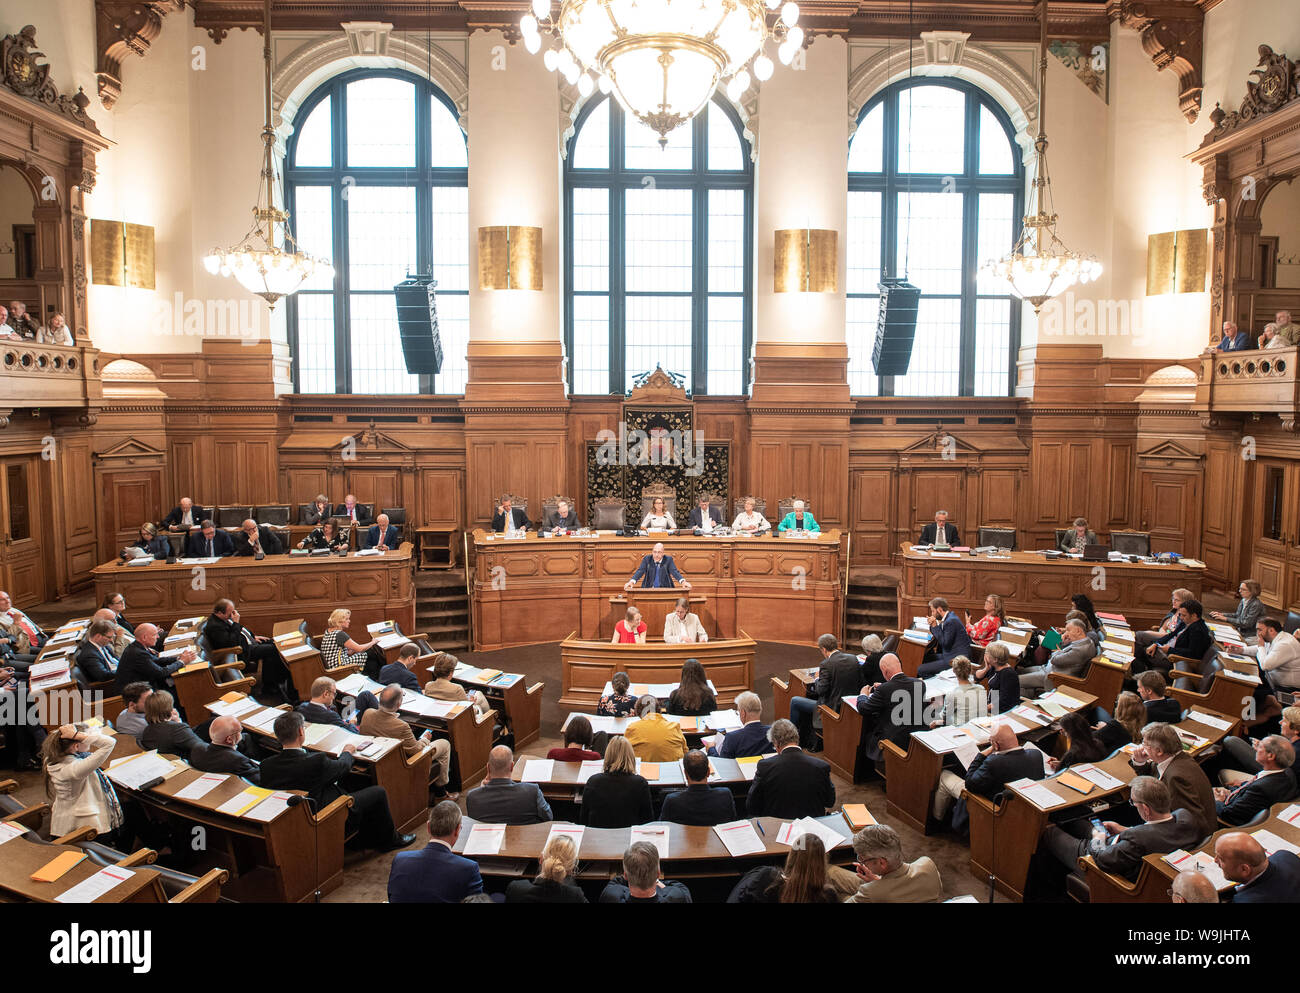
(656, 834)
(93, 887)
(740, 838)
(485, 839)
(589, 769)
(572, 831)
(538, 770)
(202, 786)
(270, 808)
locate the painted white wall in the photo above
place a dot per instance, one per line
(1234, 30)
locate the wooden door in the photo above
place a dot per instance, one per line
(1171, 510)
(22, 562)
(1276, 524)
(130, 497)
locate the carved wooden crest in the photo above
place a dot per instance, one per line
(1273, 85)
(658, 386)
(22, 74)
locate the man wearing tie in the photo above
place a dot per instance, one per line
(95, 654)
(208, 543)
(940, 528)
(381, 535)
(509, 517)
(705, 517)
(184, 516)
(950, 638)
(349, 509)
(223, 630)
(657, 571)
(252, 539)
(20, 638)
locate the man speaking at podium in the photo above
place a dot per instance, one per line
(940, 532)
(657, 571)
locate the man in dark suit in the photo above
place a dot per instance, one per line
(839, 675)
(562, 517)
(381, 534)
(222, 754)
(657, 571)
(1260, 877)
(751, 739)
(939, 526)
(699, 803)
(1151, 688)
(1192, 641)
(318, 775)
(500, 800)
(258, 652)
(1161, 754)
(95, 655)
(1145, 641)
(320, 708)
(510, 517)
(140, 663)
(950, 639)
(1072, 658)
(1234, 340)
(185, 515)
(435, 874)
(350, 509)
(402, 672)
(210, 542)
(892, 710)
(1004, 761)
(704, 511)
(791, 784)
(1274, 783)
(252, 538)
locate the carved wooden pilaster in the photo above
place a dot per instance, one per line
(123, 27)
(1172, 35)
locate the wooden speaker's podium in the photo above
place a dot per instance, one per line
(655, 606)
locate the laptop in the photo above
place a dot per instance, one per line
(1096, 553)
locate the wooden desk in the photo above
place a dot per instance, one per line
(655, 606)
(565, 782)
(1003, 839)
(531, 590)
(374, 588)
(23, 856)
(585, 666)
(519, 704)
(1039, 587)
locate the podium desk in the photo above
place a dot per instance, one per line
(655, 606)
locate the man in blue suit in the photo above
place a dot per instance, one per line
(208, 542)
(657, 571)
(950, 638)
(1234, 340)
(402, 672)
(381, 535)
(435, 874)
(751, 739)
(1260, 877)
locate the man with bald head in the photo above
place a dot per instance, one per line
(892, 709)
(500, 800)
(382, 535)
(222, 754)
(21, 638)
(184, 516)
(1003, 761)
(1260, 877)
(1191, 886)
(140, 662)
(252, 538)
(121, 635)
(657, 571)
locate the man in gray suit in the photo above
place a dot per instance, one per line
(1121, 850)
(1071, 659)
(500, 800)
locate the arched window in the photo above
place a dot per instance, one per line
(376, 178)
(660, 265)
(935, 189)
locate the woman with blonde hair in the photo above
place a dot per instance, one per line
(554, 881)
(1126, 726)
(617, 797)
(337, 648)
(967, 700)
(80, 793)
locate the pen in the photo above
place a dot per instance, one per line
(760, 828)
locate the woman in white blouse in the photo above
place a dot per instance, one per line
(80, 794)
(750, 520)
(658, 519)
(682, 627)
(967, 700)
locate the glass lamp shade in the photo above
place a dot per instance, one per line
(270, 274)
(1038, 278)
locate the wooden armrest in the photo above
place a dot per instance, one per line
(73, 837)
(338, 806)
(228, 665)
(205, 889)
(29, 817)
(343, 670)
(8, 785)
(144, 856)
(1089, 866)
(233, 650)
(888, 746)
(1182, 674)
(425, 753)
(417, 636)
(107, 687)
(1183, 658)
(780, 682)
(535, 687)
(244, 685)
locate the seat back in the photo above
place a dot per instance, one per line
(1060, 535)
(609, 514)
(890, 643)
(786, 505)
(760, 506)
(233, 516)
(396, 516)
(1131, 542)
(997, 537)
(365, 513)
(1291, 623)
(520, 502)
(669, 494)
(303, 508)
(276, 514)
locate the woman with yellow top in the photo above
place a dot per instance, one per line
(653, 738)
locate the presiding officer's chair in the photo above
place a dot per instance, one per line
(669, 494)
(609, 514)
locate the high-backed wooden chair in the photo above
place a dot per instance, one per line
(1131, 542)
(738, 505)
(997, 537)
(233, 516)
(609, 514)
(786, 506)
(276, 514)
(669, 494)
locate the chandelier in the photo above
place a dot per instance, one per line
(1039, 265)
(262, 267)
(663, 59)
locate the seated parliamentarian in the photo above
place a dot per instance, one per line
(325, 536)
(949, 638)
(642, 882)
(381, 535)
(79, 795)
(1077, 537)
(682, 627)
(140, 662)
(131, 720)
(1278, 654)
(1117, 849)
(1004, 760)
(619, 703)
(184, 516)
(692, 698)
(1238, 763)
(654, 738)
(790, 784)
(1260, 877)
(965, 702)
(258, 652)
(805, 878)
(657, 571)
(616, 797)
(986, 628)
(500, 800)
(798, 519)
(116, 603)
(1004, 681)
(318, 511)
(578, 738)
(1249, 609)
(222, 754)
(509, 517)
(940, 528)
(402, 671)
(751, 738)
(1072, 658)
(562, 518)
(164, 729)
(1085, 745)
(658, 519)
(94, 656)
(631, 630)
(337, 648)
(699, 803)
(1233, 340)
(384, 722)
(554, 882)
(1274, 783)
(435, 874)
(252, 538)
(1161, 755)
(750, 520)
(208, 542)
(1192, 641)
(886, 878)
(1152, 690)
(150, 542)
(704, 517)
(892, 710)
(321, 708)
(442, 687)
(21, 638)
(839, 675)
(318, 775)
(1125, 727)
(350, 509)
(1193, 886)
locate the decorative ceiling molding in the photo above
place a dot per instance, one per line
(1274, 84)
(21, 73)
(1172, 35)
(123, 27)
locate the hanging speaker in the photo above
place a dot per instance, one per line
(417, 324)
(895, 327)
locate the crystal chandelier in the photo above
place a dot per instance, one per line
(663, 59)
(262, 267)
(1040, 266)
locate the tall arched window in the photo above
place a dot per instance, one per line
(376, 180)
(935, 189)
(660, 265)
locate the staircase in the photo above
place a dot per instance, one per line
(442, 608)
(872, 604)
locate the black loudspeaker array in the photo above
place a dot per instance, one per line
(417, 323)
(896, 327)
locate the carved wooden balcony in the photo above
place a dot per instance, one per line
(48, 376)
(1254, 382)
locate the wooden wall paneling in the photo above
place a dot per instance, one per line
(382, 487)
(935, 489)
(77, 523)
(302, 485)
(183, 474)
(1049, 468)
(128, 498)
(259, 477)
(1222, 509)
(999, 499)
(1171, 510)
(1116, 459)
(441, 498)
(871, 497)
